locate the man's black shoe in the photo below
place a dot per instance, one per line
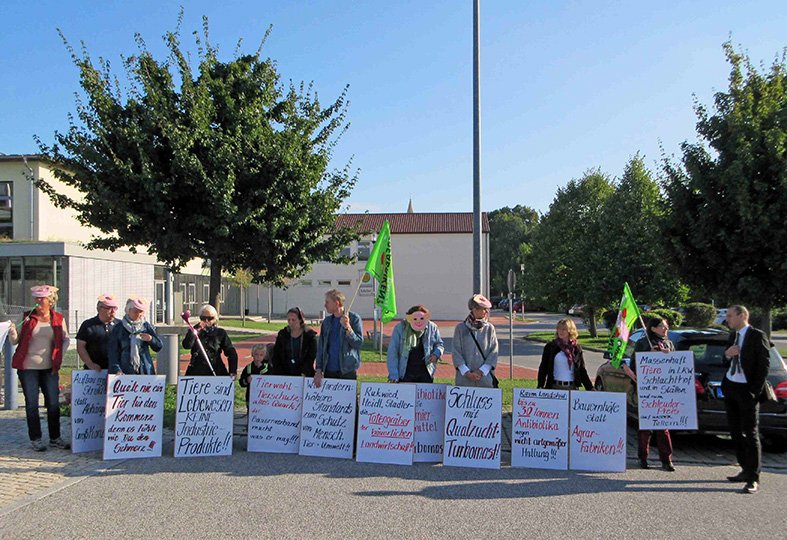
(740, 477)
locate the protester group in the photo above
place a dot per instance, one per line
(122, 346)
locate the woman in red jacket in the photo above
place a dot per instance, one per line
(41, 342)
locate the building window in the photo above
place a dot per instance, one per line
(343, 283)
(305, 283)
(206, 292)
(324, 282)
(346, 252)
(192, 293)
(364, 249)
(6, 210)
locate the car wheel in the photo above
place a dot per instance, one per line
(774, 444)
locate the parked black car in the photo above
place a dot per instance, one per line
(708, 346)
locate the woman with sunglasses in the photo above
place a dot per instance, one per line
(296, 347)
(475, 346)
(216, 341)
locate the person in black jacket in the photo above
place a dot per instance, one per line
(216, 341)
(562, 364)
(655, 340)
(743, 387)
(261, 355)
(295, 348)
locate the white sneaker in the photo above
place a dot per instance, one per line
(38, 445)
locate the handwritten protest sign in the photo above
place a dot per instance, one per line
(134, 416)
(203, 418)
(328, 421)
(88, 403)
(539, 431)
(385, 423)
(275, 405)
(5, 326)
(429, 422)
(598, 431)
(665, 386)
(472, 427)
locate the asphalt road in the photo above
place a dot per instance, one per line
(278, 496)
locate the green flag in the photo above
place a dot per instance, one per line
(618, 339)
(380, 265)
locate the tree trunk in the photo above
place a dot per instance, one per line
(215, 285)
(765, 321)
(592, 321)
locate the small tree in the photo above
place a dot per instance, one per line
(509, 233)
(220, 162)
(567, 261)
(727, 204)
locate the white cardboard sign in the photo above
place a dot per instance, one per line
(328, 421)
(472, 427)
(385, 423)
(539, 430)
(665, 389)
(88, 404)
(134, 416)
(429, 422)
(203, 418)
(275, 405)
(598, 431)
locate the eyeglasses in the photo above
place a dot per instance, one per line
(108, 308)
(205, 318)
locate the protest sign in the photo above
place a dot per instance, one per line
(539, 431)
(472, 427)
(429, 422)
(88, 403)
(203, 418)
(5, 326)
(328, 421)
(275, 405)
(385, 423)
(597, 439)
(665, 389)
(134, 416)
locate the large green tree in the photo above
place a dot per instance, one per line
(509, 235)
(631, 224)
(728, 195)
(217, 160)
(567, 262)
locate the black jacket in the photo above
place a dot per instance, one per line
(282, 354)
(546, 369)
(215, 342)
(755, 359)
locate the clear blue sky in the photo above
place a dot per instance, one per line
(566, 86)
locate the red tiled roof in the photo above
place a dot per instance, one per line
(416, 223)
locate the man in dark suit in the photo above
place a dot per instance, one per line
(743, 386)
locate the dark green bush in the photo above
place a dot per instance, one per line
(673, 318)
(699, 315)
(779, 321)
(610, 317)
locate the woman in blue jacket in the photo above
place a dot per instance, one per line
(128, 348)
(415, 348)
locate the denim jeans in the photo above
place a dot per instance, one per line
(32, 380)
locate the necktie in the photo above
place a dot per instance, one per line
(736, 360)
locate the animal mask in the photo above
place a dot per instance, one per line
(418, 320)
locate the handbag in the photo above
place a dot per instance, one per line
(495, 382)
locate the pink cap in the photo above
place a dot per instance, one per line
(481, 301)
(108, 300)
(138, 302)
(43, 291)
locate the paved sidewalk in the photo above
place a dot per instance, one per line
(26, 475)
